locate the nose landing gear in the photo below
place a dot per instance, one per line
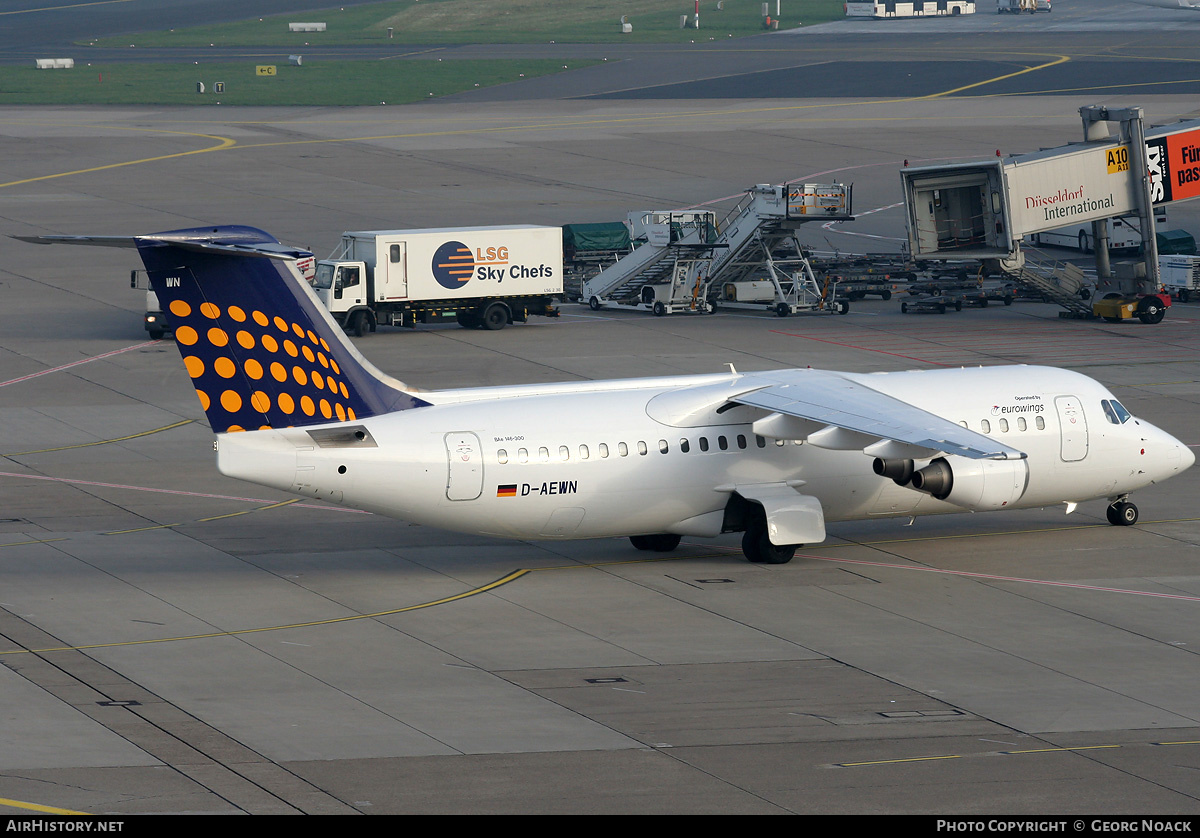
(1122, 513)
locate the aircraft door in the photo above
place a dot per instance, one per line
(465, 480)
(1072, 426)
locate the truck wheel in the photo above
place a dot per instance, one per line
(1184, 296)
(359, 325)
(885, 296)
(467, 319)
(157, 334)
(659, 309)
(495, 317)
(1084, 243)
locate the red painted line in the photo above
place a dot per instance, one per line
(172, 491)
(863, 348)
(77, 363)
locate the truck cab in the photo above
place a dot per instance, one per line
(343, 288)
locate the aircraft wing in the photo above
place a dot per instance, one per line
(838, 413)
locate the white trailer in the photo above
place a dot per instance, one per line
(1180, 276)
(881, 9)
(484, 277)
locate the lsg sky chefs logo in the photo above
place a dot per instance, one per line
(455, 264)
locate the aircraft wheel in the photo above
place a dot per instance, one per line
(659, 543)
(757, 546)
(594, 303)
(1122, 514)
(495, 317)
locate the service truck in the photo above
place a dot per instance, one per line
(484, 277)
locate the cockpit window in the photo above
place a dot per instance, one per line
(1115, 412)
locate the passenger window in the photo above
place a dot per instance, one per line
(583, 452)
(544, 454)
(564, 453)
(642, 449)
(722, 443)
(603, 450)
(1003, 426)
(685, 446)
(622, 449)
(760, 441)
(1041, 423)
(985, 426)
(522, 455)
(662, 446)
(781, 442)
(742, 441)
(703, 443)
(1022, 425)
(502, 456)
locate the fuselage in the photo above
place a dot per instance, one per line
(618, 458)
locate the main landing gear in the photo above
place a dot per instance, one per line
(757, 546)
(1122, 513)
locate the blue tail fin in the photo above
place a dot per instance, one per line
(260, 349)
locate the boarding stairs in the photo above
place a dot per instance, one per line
(1059, 283)
(713, 252)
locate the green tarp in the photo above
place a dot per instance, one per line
(607, 235)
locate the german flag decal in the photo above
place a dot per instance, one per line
(508, 490)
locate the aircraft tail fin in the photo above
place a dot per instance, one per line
(261, 349)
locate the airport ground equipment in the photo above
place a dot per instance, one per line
(986, 210)
(881, 275)
(688, 256)
(484, 277)
(886, 9)
(1180, 276)
(1017, 6)
(589, 249)
(1175, 243)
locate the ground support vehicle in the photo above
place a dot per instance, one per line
(1180, 276)
(483, 277)
(590, 248)
(931, 303)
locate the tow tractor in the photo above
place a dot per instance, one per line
(1128, 294)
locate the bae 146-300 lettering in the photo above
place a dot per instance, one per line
(772, 455)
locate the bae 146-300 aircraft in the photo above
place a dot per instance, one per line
(774, 455)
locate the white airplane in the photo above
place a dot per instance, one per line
(774, 455)
(1189, 5)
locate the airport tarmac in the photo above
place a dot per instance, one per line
(174, 641)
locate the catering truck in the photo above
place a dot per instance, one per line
(484, 277)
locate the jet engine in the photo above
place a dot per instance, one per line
(973, 484)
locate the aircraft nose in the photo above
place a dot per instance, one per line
(1188, 456)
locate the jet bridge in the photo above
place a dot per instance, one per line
(688, 253)
(985, 210)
